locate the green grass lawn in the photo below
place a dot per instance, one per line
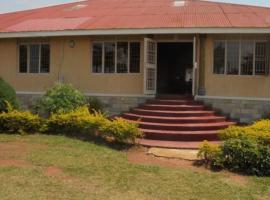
(56, 167)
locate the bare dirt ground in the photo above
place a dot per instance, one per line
(139, 155)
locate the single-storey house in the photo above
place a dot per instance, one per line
(126, 51)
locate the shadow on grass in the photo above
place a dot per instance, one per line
(120, 146)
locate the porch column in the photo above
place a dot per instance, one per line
(201, 90)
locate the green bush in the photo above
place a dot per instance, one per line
(95, 105)
(8, 94)
(15, 121)
(61, 98)
(76, 121)
(121, 130)
(246, 155)
(242, 154)
(211, 155)
(259, 131)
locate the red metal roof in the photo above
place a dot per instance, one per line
(139, 14)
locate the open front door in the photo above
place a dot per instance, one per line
(150, 66)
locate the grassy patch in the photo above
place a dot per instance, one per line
(90, 171)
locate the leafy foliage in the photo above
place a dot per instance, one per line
(210, 154)
(15, 121)
(95, 105)
(61, 98)
(260, 130)
(121, 130)
(8, 94)
(82, 121)
(246, 155)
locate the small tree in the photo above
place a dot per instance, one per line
(61, 98)
(7, 94)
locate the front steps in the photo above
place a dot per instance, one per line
(176, 122)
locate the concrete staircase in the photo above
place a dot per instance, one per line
(177, 122)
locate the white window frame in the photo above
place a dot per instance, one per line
(115, 64)
(240, 56)
(28, 57)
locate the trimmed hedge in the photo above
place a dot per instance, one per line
(78, 121)
(82, 121)
(15, 121)
(259, 130)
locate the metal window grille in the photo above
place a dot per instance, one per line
(134, 57)
(150, 79)
(122, 57)
(151, 55)
(219, 57)
(109, 57)
(23, 58)
(260, 58)
(97, 57)
(34, 50)
(34, 58)
(45, 58)
(232, 61)
(247, 56)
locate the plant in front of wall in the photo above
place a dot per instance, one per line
(61, 98)
(7, 93)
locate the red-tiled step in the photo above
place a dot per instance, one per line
(176, 122)
(161, 107)
(160, 119)
(211, 135)
(185, 127)
(172, 144)
(172, 113)
(173, 102)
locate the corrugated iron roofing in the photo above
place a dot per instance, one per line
(120, 14)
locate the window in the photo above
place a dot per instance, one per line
(23, 58)
(219, 57)
(233, 57)
(116, 57)
(240, 58)
(247, 54)
(97, 57)
(122, 57)
(260, 58)
(134, 57)
(34, 58)
(109, 58)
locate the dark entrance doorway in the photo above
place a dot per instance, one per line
(174, 68)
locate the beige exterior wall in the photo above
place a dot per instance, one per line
(234, 85)
(72, 65)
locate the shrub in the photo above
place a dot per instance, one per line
(20, 122)
(82, 121)
(210, 154)
(247, 155)
(242, 154)
(259, 131)
(7, 93)
(76, 121)
(61, 98)
(121, 130)
(95, 105)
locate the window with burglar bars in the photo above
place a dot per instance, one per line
(116, 57)
(241, 57)
(34, 58)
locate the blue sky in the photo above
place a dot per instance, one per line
(14, 5)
